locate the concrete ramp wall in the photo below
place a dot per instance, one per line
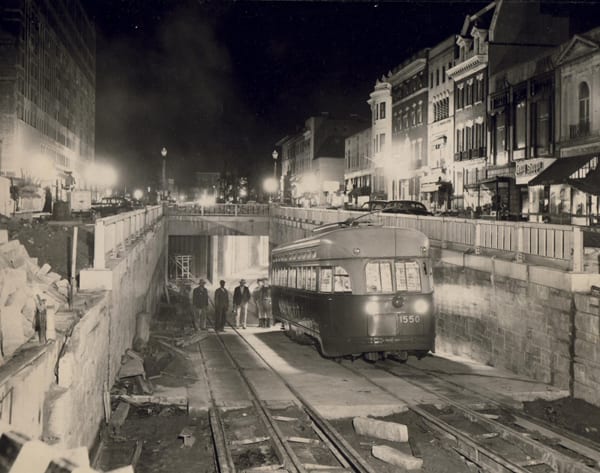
(54, 392)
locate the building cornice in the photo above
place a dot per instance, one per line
(469, 66)
(407, 71)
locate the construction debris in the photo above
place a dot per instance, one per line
(22, 281)
(187, 435)
(397, 458)
(380, 429)
(118, 417)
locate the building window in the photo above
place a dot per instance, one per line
(443, 74)
(584, 103)
(419, 114)
(499, 134)
(540, 114)
(437, 77)
(431, 80)
(520, 125)
(381, 141)
(382, 110)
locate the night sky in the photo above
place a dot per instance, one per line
(218, 83)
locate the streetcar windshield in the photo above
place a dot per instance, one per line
(408, 277)
(378, 276)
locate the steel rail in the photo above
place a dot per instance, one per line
(224, 461)
(557, 461)
(567, 439)
(285, 453)
(351, 457)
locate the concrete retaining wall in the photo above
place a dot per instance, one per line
(55, 391)
(90, 363)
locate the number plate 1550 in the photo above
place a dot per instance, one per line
(409, 319)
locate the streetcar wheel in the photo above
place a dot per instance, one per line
(421, 354)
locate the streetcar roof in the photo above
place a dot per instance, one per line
(373, 242)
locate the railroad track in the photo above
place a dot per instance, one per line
(320, 448)
(494, 436)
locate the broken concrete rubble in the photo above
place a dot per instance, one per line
(21, 280)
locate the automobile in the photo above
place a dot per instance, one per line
(411, 207)
(111, 206)
(373, 205)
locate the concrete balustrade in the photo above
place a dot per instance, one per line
(558, 246)
(112, 234)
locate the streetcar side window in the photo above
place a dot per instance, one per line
(341, 281)
(408, 276)
(378, 276)
(301, 278)
(325, 281)
(291, 277)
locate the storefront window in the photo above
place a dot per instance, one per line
(560, 196)
(536, 200)
(579, 203)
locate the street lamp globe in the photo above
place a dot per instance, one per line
(275, 154)
(163, 152)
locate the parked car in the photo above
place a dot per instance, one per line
(111, 206)
(373, 205)
(411, 207)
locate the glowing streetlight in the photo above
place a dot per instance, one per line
(163, 153)
(270, 185)
(138, 194)
(275, 155)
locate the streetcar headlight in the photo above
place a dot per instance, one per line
(372, 308)
(421, 306)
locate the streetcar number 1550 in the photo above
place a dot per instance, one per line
(409, 319)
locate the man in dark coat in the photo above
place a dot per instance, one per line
(200, 305)
(221, 306)
(241, 297)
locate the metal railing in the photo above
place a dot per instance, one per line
(561, 244)
(114, 232)
(232, 210)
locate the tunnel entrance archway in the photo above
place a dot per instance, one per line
(214, 257)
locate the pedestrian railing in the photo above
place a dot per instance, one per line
(114, 232)
(559, 244)
(232, 210)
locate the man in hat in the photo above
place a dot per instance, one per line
(200, 305)
(241, 297)
(221, 306)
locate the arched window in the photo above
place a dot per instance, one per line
(584, 103)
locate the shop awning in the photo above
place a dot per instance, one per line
(560, 170)
(589, 186)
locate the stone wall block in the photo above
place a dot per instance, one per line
(588, 323)
(11, 322)
(587, 351)
(587, 303)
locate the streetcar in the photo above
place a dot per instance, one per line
(357, 290)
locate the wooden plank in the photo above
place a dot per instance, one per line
(137, 453)
(118, 416)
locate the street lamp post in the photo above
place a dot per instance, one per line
(163, 152)
(275, 155)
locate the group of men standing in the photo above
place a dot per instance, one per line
(241, 299)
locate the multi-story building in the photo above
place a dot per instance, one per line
(491, 138)
(436, 184)
(469, 75)
(409, 128)
(568, 190)
(380, 101)
(47, 90)
(359, 172)
(313, 158)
